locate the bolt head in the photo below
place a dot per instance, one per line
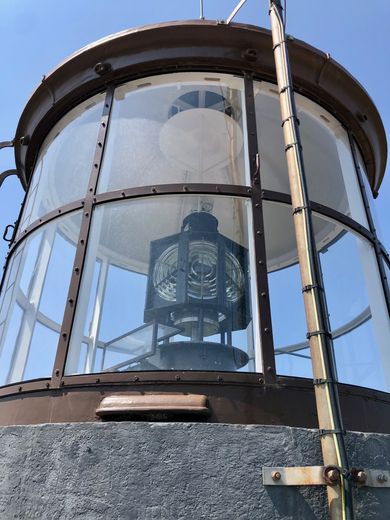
(276, 475)
(361, 476)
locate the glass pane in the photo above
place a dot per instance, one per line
(329, 167)
(34, 299)
(382, 233)
(41, 355)
(357, 311)
(173, 290)
(64, 163)
(176, 128)
(292, 354)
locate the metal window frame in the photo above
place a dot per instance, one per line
(254, 192)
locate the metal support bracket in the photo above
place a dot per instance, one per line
(323, 476)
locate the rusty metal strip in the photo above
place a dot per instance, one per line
(294, 476)
(127, 404)
(323, 476)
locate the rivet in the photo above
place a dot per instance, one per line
(96, 165)
(70, 300)
(64, 335)
(100, 144)
(154, 190)
(76, 270)
(257, 205)
(87, 214)
(219, 379)
(59, 211)
(258, 232)
(97, 380)
(263, 294)
(185, 188)
(123, 194)
(103, 124)
(82, 241)
(136, 378)
(47, 385)
(261, 262)
(266, 329)
(20, 388)
(177, 378)
(361, 476)
(90, 189)
(57, 372)
(276, 475)
(261, 380)
(62, 383)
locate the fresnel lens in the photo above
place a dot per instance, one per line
(197, 285)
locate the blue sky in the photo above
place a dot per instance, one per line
(35, 36)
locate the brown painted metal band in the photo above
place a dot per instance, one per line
(230, 190)
(45, 219)
(233, 398)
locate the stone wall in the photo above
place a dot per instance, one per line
(171, 471)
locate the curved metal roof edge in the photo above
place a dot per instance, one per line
(314, 74)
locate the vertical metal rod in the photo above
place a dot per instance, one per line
(263, 302)
(201, 16)
(235, 11)
(321, 346)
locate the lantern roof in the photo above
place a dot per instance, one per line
(207, 46)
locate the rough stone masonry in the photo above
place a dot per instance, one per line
(171, 471)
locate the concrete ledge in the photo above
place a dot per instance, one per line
(170, 471)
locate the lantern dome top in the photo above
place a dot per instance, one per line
(199, 45)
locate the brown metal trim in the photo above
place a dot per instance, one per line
(263, 303)
(200, 45)
(235, 398)
(25, 386)
(75, 282)
(58, 212)
(284, 198)
(230, 190)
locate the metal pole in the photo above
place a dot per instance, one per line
(321, 346)
(201, 15)
(235, 11)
